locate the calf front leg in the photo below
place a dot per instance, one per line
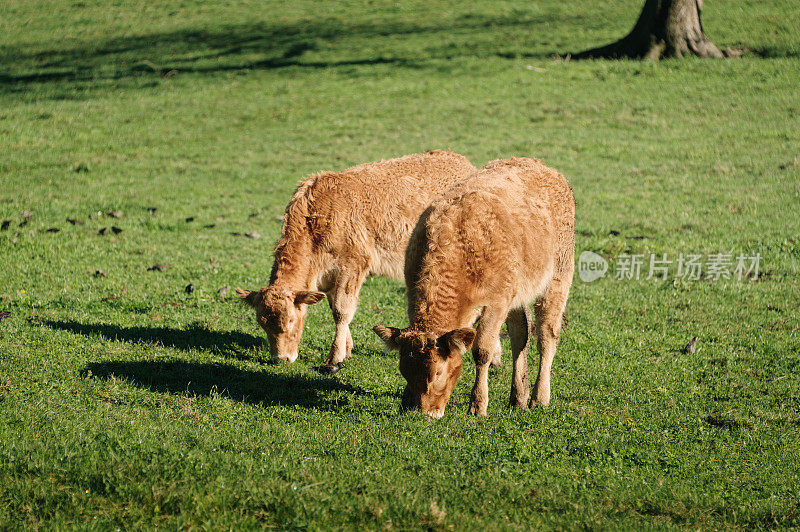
(497, 354)
(497, 357)
(482, 352)
(349, 337)
(343, 302)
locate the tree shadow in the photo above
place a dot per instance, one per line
(261, 388)
(259, 46)
(230, 344)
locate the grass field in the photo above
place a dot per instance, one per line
(126, 402)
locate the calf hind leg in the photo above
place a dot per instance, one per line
(549, 313)
(518, 323)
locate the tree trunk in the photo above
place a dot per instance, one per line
(666, 28)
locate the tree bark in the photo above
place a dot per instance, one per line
(665, 28)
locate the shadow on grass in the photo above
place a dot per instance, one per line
(260, 46)
(225, 343)
(205, 379)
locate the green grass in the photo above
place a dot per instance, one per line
(126, 402)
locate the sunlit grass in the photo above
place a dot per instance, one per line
(125, 401)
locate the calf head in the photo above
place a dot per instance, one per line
(281, 313)
(431, 365)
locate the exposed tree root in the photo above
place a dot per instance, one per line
(665, 28)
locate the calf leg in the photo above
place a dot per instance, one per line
(349, 340)
(549, 312)
(497, 353)
(497, 356)
(483, 350)
(343, 306)
(518, 324)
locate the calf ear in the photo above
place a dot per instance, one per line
(388, 335)
(308, 297)
(247, 296)
(457, 341)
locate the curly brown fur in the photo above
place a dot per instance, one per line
(496, 241)
(340, 228)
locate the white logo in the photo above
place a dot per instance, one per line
(591, 266)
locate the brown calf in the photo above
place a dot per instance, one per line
(339, 228)
(503, 237)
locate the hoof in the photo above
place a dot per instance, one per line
(326, 369)
(518, 405)
(477, 411)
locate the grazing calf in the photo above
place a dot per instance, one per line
(503, 237)
(339, 228)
